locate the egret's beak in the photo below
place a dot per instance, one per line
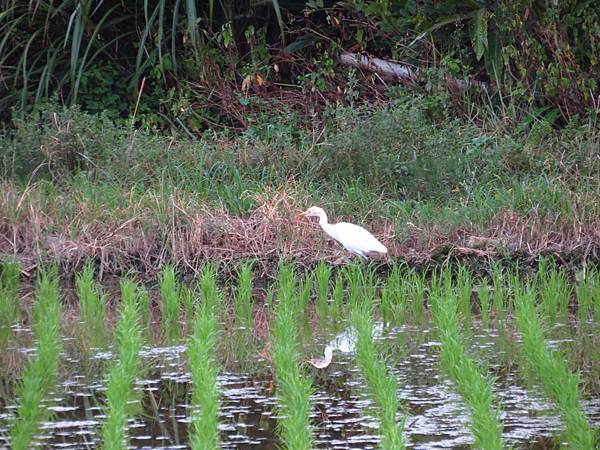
(300, 215)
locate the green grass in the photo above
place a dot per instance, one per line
(381, 383)
(92, 309)
(120, 386)
(202, 348)
(549, 367)
(40, 373)
(171, 304)
(293, 388)
(474, 386)
(116, 174)
(10, 310)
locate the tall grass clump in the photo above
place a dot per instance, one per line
(10, 312)
(203, 365)
(92, 309)
(381, 383)
(171, 305)
(473, 385)
(39, 376)
(293, 388)
(555, 291)
(242, 298)
(121, 378)
(551, 369)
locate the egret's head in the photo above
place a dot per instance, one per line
(313, 211)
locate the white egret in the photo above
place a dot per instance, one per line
(354, 238)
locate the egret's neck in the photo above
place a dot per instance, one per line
(323, 220)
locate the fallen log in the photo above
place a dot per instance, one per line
(392, 71)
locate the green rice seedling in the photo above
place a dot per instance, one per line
(484, 302)
(464, 286)
(10, 312)
(555, 291)
(337, 296)
(92, 309)
(187, 299)
(242, 298)
(205, 394)
(120, 387)
(354, 279)
(171, 305)
(209, 291)
(393, 297)
(416, 294)
(293, 388)
(473, 385)
(498, 293)
(381, 384)
(144, 307)
(551, 369)
(322, 278)
(39, 375)
(584, 293)
(305, 286)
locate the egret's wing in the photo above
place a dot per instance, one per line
(356, 237)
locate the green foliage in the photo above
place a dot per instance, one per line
(533, 51)
(39, 376)
(100, 55)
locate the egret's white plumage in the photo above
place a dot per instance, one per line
(354, 238)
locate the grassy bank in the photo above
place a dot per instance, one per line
(76, 186)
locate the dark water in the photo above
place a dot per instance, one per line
(436, 417)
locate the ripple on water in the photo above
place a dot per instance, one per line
(436, 416)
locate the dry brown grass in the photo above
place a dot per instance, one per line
(136, 239)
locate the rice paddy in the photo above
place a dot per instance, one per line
(427, 360)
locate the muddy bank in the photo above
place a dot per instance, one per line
(140, 246)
